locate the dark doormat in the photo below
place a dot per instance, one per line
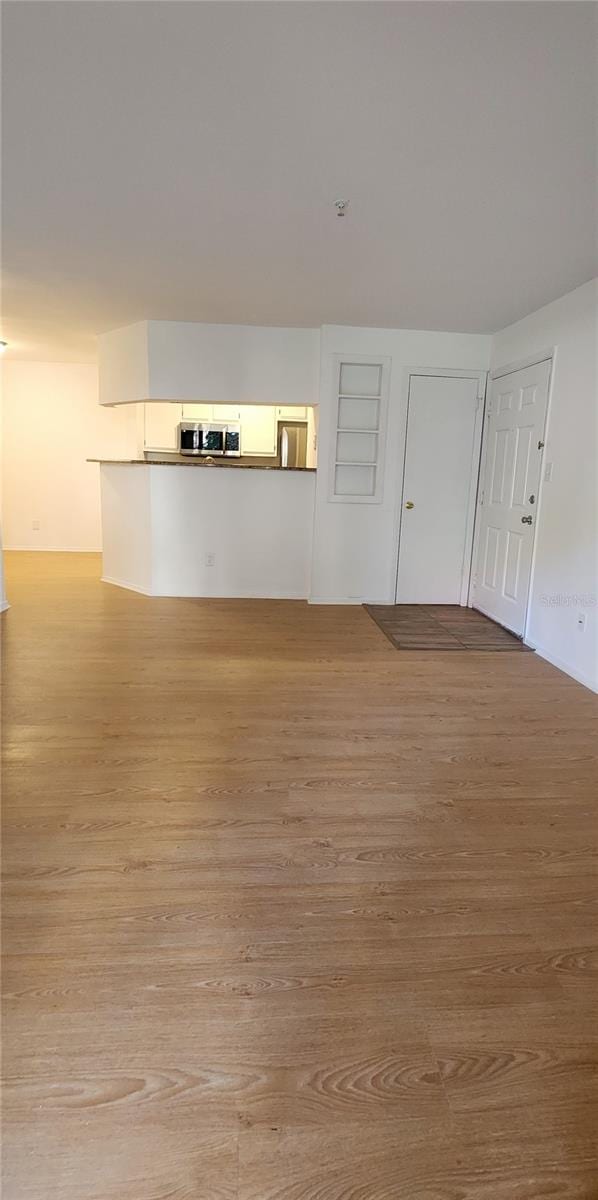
(441, 627)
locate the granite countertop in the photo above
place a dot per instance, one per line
(229, 463)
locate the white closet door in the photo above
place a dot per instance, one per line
(509, 494)
(442, 453)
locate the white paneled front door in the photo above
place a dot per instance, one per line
(441, 470)
(516, 418)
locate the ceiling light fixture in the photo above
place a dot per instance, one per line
(341, 207)
(3, 346)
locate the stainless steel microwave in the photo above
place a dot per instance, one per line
(218, 439)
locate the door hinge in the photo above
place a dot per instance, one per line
(541, 445)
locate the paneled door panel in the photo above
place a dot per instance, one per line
(441, 466)
(516, 417)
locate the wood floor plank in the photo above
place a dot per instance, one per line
(123, 1153)
(289, 915)
(458, 1161)
(373, 1160)
(510, 1154)
(387, 1082)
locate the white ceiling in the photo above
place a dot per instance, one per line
(181, 161)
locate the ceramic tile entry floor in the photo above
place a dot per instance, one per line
(441, 627)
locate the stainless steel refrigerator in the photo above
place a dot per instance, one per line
(292, 443)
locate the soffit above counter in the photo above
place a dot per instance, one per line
(188, 362)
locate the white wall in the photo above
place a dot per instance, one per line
(124, 365)
(257, 524)
(161, 524)
(3, 597)
(127, 526)
(356, 545)
(51, 423)
(194, 362)
(565, 577)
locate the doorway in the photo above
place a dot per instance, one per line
(508, 499)
(442, 454)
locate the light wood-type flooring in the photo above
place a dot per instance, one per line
(288, 914)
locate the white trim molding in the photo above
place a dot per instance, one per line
(522, 363)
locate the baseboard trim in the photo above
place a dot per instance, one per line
(129, 587)
(295, 596)
(355, 600)
(4, 605)
(561, 665)
(193, 595)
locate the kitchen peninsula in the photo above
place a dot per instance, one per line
(195, 528)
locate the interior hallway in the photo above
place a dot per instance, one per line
(289, 915)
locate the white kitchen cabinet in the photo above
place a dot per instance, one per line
(161, 422)
(211, 412)
(258, 429)
(197, 412)
(292, 412)
(226, 412)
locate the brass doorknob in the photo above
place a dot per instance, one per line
(409, 504)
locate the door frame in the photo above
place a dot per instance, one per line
(498, 373)
(443, 373)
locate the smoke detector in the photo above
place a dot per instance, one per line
(341, 207)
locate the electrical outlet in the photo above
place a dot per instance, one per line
(35, 524)
(210, 559)
(548, 472)
(581, 622)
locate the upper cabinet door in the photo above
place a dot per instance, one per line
(161, 426)
(225, 412)
(197, 412)
(292, 412)
(258, 429)
(211, 412)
